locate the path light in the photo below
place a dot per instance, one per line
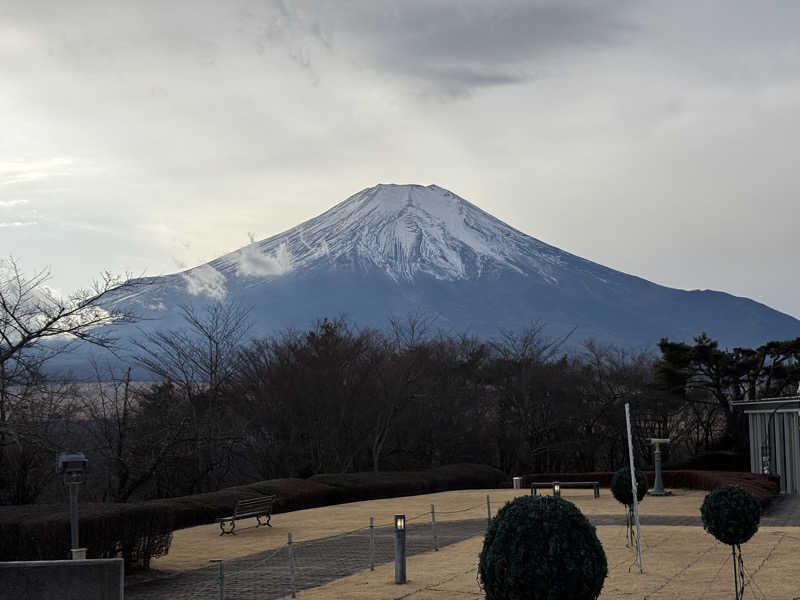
(73, 468)
(399, 548)
(556, 489)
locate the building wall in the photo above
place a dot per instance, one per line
(780, 432)
(101, 579)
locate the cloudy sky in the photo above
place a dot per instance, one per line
(657, 138)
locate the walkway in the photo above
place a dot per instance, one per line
(266, 574)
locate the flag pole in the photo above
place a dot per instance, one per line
(633, 488)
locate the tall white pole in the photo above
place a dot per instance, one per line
(633, 488)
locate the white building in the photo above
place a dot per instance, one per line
(775, 438)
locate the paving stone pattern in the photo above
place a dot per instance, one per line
(317, 562)
(266, 575)
(785, 512)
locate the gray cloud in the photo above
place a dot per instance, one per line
(450, 47)
(655, 137)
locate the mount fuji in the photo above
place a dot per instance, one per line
(392, 250)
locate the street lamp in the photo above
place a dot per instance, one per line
(556, 489)
(399, 548)
(73, 469)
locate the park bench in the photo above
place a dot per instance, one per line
(548, 485)
(244, 509)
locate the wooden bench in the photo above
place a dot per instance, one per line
(548, 485)
(244, 509)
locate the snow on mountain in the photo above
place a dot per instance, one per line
(393, 250)
(404, 230)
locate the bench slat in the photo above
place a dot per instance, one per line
(249, 505)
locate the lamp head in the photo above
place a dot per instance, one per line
(399, 522)
(71, 466)
(556, 489)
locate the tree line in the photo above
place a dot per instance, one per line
(224, 409)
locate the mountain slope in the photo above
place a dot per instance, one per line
(392, 250)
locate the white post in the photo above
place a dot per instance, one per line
(371, 543)
(291, 567)
(433, 526)
(633, 488)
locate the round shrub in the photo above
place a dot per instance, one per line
(731, 515)
(541, 548)
(621, 486)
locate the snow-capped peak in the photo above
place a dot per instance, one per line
(404, 230)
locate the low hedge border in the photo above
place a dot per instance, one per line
(137, 532)
(141, 531)
(329, 489)
(764, 488)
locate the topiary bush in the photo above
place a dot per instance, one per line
(541, 548)
(621, 486)
(731, 515)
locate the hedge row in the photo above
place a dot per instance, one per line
(765, 488)
(293, 494)
(137, 532)
(391, 484)
(141, 531)
(324, 490)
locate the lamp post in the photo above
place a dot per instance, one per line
(658, 484)
(400, 549)
(556, 489)
(73, 469)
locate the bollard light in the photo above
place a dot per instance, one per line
(400, 549)
(73, 468)
(556, 489)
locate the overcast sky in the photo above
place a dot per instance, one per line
(657, 138)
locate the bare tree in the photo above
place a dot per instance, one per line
(200, 360)
(30, 314)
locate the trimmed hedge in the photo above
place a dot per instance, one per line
(324, 490)
(538, 548)
(143, 530)
(764, 488)
(731, 515)
(388, 484)
(137, 532)
(293, 494)
(621, 486)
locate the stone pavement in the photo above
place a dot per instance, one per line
(785, 512)
(266, 575)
